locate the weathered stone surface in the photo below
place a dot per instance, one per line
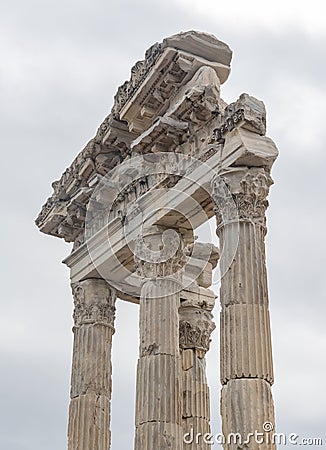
(177, 59)
(258, 151)
(158, 402)
(158, 389)
(158, 435)
(196, 392)
(195, 296)
(247, 407)
(89, 411)
(159, 322)
(195, 328)
(91, 365)
(240, 195)
(247, 112)
(201, 44)
(245, 282)
(89, 416)
(197, 432)
(246, 350)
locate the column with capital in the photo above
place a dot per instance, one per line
(196, 326)
(158, 392)
(240, 195)
(89, 410)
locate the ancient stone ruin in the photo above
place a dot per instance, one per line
(170, 156)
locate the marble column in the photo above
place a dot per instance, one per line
(89, 410)
(158, 392)
(240, 195)
(196, 326)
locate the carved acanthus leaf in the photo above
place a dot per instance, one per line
(91, 310)
(225, 207)
(163, 261)
(247, 203)
(252, 201)
(195, 329)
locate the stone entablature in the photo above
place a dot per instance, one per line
(193, 120)
(172, 63)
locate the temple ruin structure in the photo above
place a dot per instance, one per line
(170, 156)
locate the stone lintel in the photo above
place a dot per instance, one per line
(80, 261)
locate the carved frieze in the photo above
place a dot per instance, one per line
(138, 73)
(197, 103)
(175, 63)
(180, 58)
(194, 121)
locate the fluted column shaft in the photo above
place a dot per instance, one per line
(196, 326)
(158, 398)
(246, 351)
(89, 410)
(245, 324)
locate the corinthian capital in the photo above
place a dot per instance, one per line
(94, 302)
(241, 194)
(252, 200)
(195, 328)
(159, 253)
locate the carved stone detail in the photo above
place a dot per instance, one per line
(93, 310)
(195, 328)
(225, 207)
(246, 201)
(138, 73)
(247, 112)
(185, 53)
(89, 410)
(158, 399)
(196, 334)
(160, 254)
(251, 202)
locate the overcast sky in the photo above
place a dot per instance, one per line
(61, 63)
